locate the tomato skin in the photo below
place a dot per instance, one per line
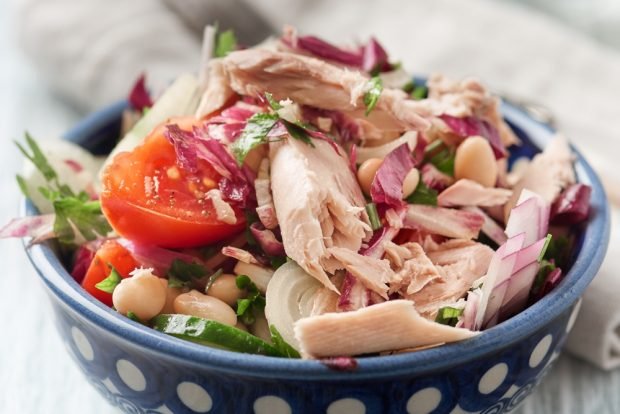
(110, 253)
(172, 212)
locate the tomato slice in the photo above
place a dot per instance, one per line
(109, 254)
(148, 198)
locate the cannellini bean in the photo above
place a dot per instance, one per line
(142, 294)
(411, 181)
(171, 295)
(241, 326)
(474, 160)
(195, 303)
(366, 173)
(225, 289)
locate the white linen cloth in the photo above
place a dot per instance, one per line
(91, 52)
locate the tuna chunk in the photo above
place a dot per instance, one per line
(217, 92)
(313, 82)
(443, 221)
(318, 204)
(383, 327)
(373, 273)
(415, 270)
(469, 193)
(547, 174)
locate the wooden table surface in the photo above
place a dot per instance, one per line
(37, 375)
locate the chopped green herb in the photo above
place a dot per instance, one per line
(253, 302)
(559, 250)
(441, 156)
(546, 267)
(423, 195)
(543, 251)
(77, 218)
(298, 131)
(173, 282)
(213, 278)
(275, 105)
(109, 283)
(225, 43)
(278, 261)
(134, 317)
(254, 134)
(419, 92)
(281, 345)
(185, 272)
(373, 216)
(374, 88)
(448, 315)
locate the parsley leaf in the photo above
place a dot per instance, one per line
(131, 315)
(441, 156)
(109, 283)
(253, 302)
(254, 134)
(281, 345)
(371, 97)
(559, 250)
(225, 43)
(275, 105)
(184, 271)
(77, 217)
(298, 131)
(423, 195)
(448, 315)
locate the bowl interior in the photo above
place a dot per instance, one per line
(98, 134)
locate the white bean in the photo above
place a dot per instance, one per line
(142, 294)
(225, 289)
(366, 173)
(171, 295)
(474, 160)
(411, 181)
(195, 303)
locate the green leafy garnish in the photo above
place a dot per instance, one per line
(278, 261)
(75, 217)
(253, 302)
(254, 134)
(373, 216)
(225, 43)
(275, 105)
(298, 131)
(416, 92)
(281, 345)
(134, 317)
(374, 87)
(546, 267)
(559, 250)
(181, 273)
(543, 251)
(109, 283)
(423, 195)
(441, 156)
(448, 315)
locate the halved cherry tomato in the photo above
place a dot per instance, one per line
(109, 254)
(148, 198)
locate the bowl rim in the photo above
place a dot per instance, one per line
(585, 267)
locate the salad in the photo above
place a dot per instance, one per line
(300, 199)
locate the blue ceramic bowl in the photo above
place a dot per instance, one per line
(140, 370)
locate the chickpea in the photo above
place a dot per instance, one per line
(366, 173)
(411, 181)
(225, 289)
(142, 294)
(474, 160)
(171, 295)
(195, 303)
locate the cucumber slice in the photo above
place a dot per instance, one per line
(213, 334)
(180, 99)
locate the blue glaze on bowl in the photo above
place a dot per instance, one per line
(143, 371)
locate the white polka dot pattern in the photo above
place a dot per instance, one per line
(194, 397)
(424, 401)
(573, 316)
(493, 378)
(540, 351)
(82, 344)
(347, 406)
(131, 375)
(270, 404)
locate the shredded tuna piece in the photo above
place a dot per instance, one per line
(312, 82)
(262, 185)
(217, 91)
(443, 221)
(223, 210)
(318, 204)
(372, 272)
(547, 174)
(469, 193)
(416, 270)
(239, 254)
(383, 327)
(435, 179)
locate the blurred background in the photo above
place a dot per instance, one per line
(60, 59)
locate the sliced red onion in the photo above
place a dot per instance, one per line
(553, 278)
(572, 206)
(240, 254)
(75, 166)
(435, 179)
(267, 240)
(154, 257)
(471, 308)
(490, 226)
(387, 186)
(139, 97)
(325, 50)
(340, 363)
(236, 192)
(185, 144)
(471, 126)
(40, 228)
(531, 215)
(374, 57)
(518, 290)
